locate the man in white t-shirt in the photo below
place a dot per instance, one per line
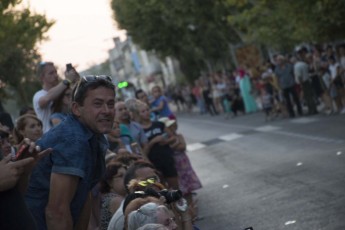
(51, 90)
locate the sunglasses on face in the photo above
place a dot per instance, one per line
(147, 182)
(91, 78)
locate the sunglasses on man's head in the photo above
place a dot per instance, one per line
(91, 78)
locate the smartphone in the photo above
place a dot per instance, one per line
(69, 66)
(23, 150)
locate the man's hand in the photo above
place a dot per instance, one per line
(72, 75)
(34, 152)
(10, 172)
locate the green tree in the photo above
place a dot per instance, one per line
(284, 24)
(20, 31)
(194, 32)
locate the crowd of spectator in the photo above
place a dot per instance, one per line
(81, 159)
(307, 82)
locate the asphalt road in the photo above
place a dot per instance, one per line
(283, 174)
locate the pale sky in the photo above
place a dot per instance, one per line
(82, 33)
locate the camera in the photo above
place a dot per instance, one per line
(175, 196)
(171, 195)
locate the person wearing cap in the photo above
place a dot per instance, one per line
(51, 90)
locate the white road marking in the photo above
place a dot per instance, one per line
(299, 164)
(267, 128)
(303, 120)
(215, 123)
(309, 137)
(290, 222)
(225, 186)
(339, 153)
(230, 137)
(195, 146)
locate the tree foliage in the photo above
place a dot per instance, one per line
(192, 31)
(284, 24)
(196, 32)
(20, 31)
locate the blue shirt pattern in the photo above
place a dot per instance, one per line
(77, 151)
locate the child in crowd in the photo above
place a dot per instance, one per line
(188, 180)
(267, 104)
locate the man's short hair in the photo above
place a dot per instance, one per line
(41, 67)
(87, 83)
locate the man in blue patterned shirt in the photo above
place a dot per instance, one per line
(59, 189)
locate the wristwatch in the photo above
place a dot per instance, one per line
(66, 82)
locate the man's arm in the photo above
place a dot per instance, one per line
(10, 172)
(85, 213)
(62, 191)
(24, 178)
(52, 94)
(72, 76)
